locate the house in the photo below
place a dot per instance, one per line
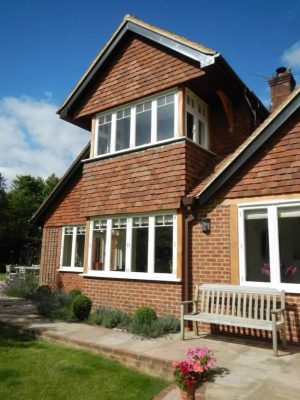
(187, 179)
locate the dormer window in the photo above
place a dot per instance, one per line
(147, 122)
(196, 120)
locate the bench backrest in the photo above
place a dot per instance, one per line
(239, 301)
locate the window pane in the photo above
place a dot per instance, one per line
(139, 258)
(289, 239)
(98, 250)
(165, 122)
(123, 133)
(67, 251)
(257, 246)
(104, 135)
(143, 128)
(190, 126)
(163, 262)
(118, 250)
(202, 134)
(79, 250)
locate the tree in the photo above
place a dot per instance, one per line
(49, 184)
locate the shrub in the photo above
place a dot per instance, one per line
(24, 288)
(108, 317)
(144, 315)
(81, 307)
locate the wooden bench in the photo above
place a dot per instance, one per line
(238, 306)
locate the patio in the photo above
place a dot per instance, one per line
(247, 369)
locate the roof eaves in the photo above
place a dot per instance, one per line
(250, 146)
(60, 185)
(204, 55)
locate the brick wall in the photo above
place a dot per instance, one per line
(50, 256)
(127, 295)
(137, 68)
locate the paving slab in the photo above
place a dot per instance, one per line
(246, 369)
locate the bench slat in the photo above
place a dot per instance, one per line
(242, 289)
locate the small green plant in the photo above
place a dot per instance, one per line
(143, 320)
(22, 287)
(81, 307)
(108, 317)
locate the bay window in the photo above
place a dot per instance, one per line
(72, 249)
(138, 246)
(269, 245)
(137, 124)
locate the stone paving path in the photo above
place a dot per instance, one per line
(247, 370)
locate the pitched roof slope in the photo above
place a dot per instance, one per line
(130, 19)
(221, 173)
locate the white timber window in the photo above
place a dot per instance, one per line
(72, 248)
(196, 120)
(148, 121)
(134, 247)
(269, 250)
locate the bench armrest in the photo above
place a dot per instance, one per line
(277, 311)
(189, 301)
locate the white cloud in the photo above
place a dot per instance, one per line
(291, 56)
(33, 140)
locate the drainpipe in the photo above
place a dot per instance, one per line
(187, 202)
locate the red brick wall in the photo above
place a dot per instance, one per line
(50, 256)
(138, 69)
(127, 295)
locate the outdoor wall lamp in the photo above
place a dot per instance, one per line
(205, 223)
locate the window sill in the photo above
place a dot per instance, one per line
(288, 288)
(132, 275)
(69, 269)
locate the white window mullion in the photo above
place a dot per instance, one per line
(113, 132)
(132, 127)
(151, 244)
(274, 246)
(154, 121)
(62, 247)
(95, 133)
(90, 246)
(73, 254)
(128, 245)
(108, 245)
(176, 99)
(174, 272)
(242, 250)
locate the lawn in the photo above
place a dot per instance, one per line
(2, 276)
(34, 369)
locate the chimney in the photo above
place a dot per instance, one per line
(281, 85)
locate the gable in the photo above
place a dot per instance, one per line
(137, 68)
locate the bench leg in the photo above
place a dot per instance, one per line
(283, 338)
(196, 328)
(182, 322)
(274, 335)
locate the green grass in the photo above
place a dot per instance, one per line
(34, 369)
(2, 276)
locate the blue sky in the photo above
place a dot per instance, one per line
(47, 45)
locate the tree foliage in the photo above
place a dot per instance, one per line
(20, 238)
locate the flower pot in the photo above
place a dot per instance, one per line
(188, 393)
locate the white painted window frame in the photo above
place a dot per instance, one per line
(72, 267)
(132, 106)
(128, 274)
(197, 116)
(272, 211)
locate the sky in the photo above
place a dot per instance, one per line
(46, 46)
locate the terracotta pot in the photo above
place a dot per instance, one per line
(189, 393)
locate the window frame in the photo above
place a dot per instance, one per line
(196, 116)
(272, 217)
(128, 274)
(132, 136)
(72, 267)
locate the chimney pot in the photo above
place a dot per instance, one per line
(280, 70)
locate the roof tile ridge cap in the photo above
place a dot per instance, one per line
(171, 35)
(250, 139)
